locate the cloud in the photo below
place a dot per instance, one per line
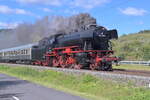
(22, 11)
(8, 25)
(47, 10)
(72, 11)
(46, 2)
(133, 11)
(140, 23)
(88, 4)
(6, 10)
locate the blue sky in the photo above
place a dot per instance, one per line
(127, 16)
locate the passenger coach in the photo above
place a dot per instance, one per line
(20, 54)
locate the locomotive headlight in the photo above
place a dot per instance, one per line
(101, 33)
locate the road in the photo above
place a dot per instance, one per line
(12, 88)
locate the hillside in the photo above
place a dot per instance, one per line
(133, 46)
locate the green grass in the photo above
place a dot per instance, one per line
(132, 67)
(86, 85)
(133, 46)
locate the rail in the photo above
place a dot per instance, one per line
(146, 63)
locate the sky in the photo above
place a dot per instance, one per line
(127, 16)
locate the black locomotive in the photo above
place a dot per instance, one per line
(95, 38)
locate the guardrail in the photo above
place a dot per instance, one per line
(147, 63)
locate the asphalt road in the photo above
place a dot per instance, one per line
(12, 88)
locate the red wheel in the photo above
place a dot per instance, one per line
(92, 67)
(77, 66)
(72, 66)
(55, 63)
(63, 66)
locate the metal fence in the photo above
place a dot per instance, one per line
(147, 63)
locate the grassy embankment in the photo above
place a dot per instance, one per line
(132, 67)
(133, 46)
(85, 86)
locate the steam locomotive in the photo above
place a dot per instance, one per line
(87, 49)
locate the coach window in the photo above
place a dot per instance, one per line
(18, 52)
(15, 53)
(8, 53)
(27, 51)
(24, 51)
(21, 51)
(12, 52)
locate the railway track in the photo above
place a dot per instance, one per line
(138, 77)
(115, 71)
(132, 72)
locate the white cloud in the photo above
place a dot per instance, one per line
(6, 10)
(72, 12)
(47, 2)
(8, 25)
(88, 4)
(133, 11)
(21, 11)
(140, 23)
(47, 10)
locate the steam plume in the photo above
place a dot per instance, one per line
(28, 33)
